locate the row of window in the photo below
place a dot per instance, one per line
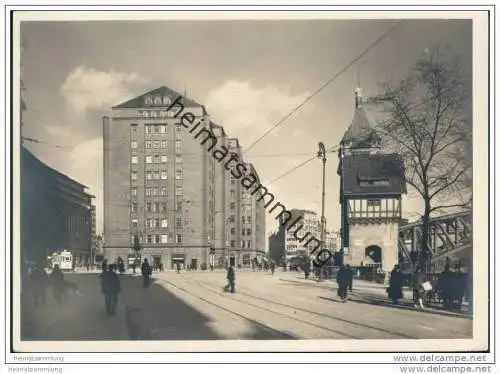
(155, 114)
(162, 129)
(158, 175)
(151, 159)
(157, 222)
(157, 239)
(150, 144)
(151, 222)
(154, 207)
(243, 231)
(155, 176)
(243, 244)
(157, 100)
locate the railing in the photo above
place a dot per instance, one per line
(450, 236)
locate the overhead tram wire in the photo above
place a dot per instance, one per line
(317, 91)
(37, 141)
(69, 148)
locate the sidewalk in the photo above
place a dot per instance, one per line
(373, 293)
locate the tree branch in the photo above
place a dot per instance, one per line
(461, 205)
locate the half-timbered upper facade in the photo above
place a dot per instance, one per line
(371, 185)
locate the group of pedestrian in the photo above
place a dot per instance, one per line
(41, 281)
(111, 286)
(420, 285)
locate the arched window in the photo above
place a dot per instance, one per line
(157, 100)
(166, 100)
(148, 100)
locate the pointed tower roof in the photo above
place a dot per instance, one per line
(359, 134)
(138, 102)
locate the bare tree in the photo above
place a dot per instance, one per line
(427, 121)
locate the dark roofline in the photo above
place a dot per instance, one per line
(188, 102)
(52, 170)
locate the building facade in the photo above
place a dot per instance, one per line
(165, 189)
(332, 241)
(56, 213)
(371, 185)
(158, 181)
(306, 223)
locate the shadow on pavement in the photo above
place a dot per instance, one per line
(164, 316)
(160, 315)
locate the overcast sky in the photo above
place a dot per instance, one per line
(249, 74)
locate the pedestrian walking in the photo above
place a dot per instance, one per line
(344, 281)
(57, 282)
(231, 278)
(146, 273)
(395, 289)
(39, 280)
(111, 288)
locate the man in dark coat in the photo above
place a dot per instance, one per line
(146, 273)
(111, 288)
(57, 281)
(231, 278)
(344, 281)
(39, 281)
(395, 290)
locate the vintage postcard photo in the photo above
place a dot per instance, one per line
(188, 181)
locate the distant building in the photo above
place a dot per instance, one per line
(240, 217)
(332, 241)
(306, 224)
(56, 212)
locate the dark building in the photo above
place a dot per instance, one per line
(56, 212)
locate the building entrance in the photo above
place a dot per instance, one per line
(374, 253)
(156, 262)
(232, 261)
(194, 264)
(178, 259)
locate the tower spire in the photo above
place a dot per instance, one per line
(358, 97)
(358, 94)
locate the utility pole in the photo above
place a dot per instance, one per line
(322, 156)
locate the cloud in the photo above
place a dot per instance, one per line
(247, 112)
(84, 164)
(87, 88)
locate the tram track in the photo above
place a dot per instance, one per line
(285, 335)
(305, 315)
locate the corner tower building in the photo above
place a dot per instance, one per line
(371, 185)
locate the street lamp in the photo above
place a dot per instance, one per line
(322, 156)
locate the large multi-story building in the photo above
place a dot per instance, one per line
(158, 181)
(56, 212)
(164, 188)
